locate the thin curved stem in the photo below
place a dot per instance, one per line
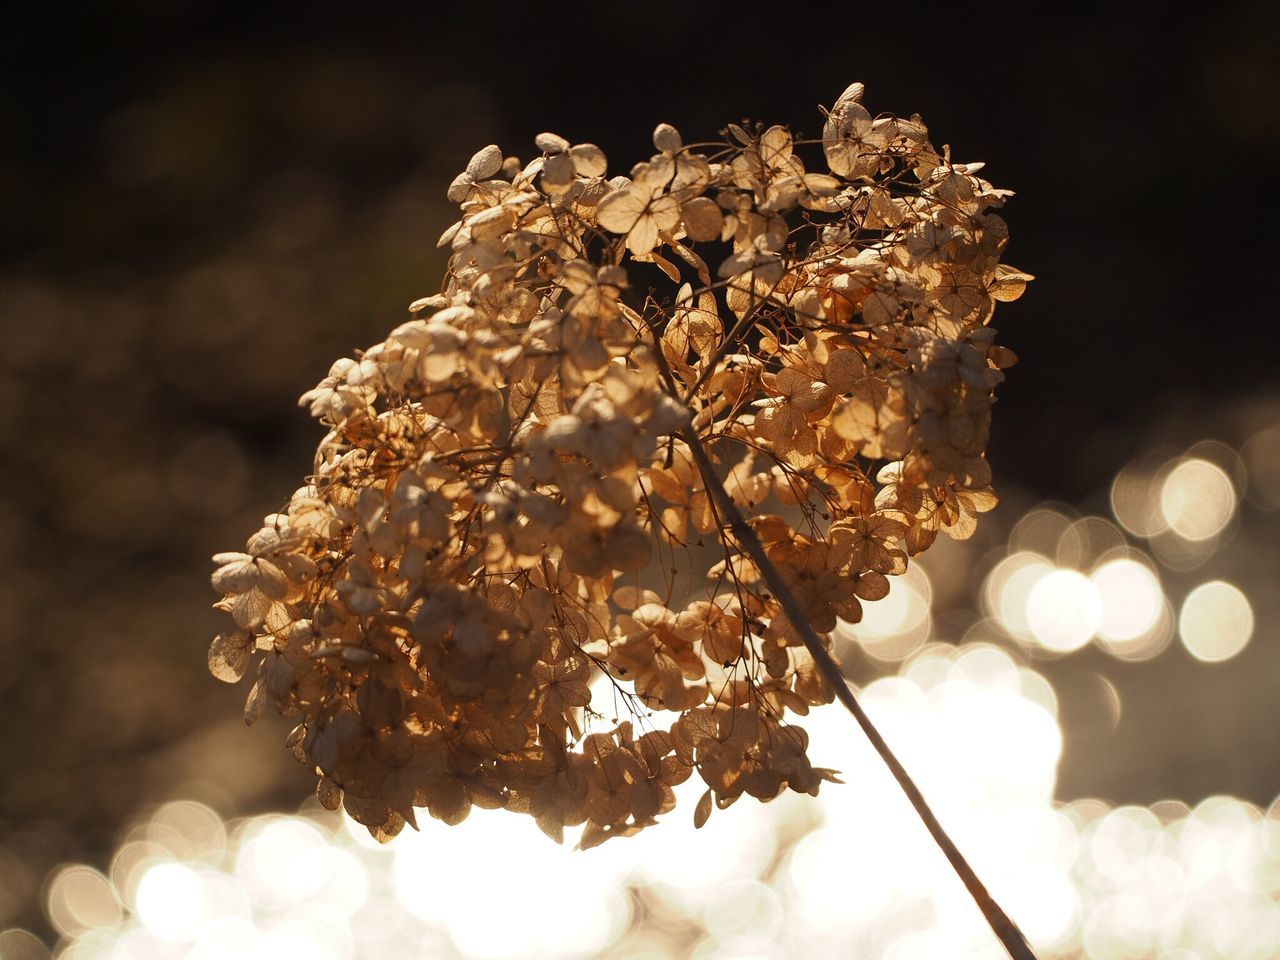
(1001, 925)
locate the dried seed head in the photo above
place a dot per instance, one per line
(502, 515)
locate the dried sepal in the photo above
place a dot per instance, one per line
(229, 655)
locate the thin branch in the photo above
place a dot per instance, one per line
(1003, 927)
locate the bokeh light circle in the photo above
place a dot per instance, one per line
(80, 898)
(1135, 501)
(1008, 587)
(1064, 610)
(1216, 621)
(898, 624)
(1131, 599)
(1197, 499)
(171, 902)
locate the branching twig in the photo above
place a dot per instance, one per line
(1003, 927)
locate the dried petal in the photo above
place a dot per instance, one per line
(229, 655)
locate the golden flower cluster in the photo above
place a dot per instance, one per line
(518, 499)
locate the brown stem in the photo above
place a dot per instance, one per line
(1005, 929)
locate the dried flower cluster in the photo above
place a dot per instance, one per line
(507, 509)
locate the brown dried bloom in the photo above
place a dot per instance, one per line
(523, 489)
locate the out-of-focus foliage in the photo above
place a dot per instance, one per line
(129, 457)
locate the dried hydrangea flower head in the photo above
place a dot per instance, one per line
(538, 482)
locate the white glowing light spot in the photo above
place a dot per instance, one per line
(823, 890)
(1216, 621)
(1134, 501)
(1122, 841)
(284, 860)
(1044, 902)
(1036, 689)
(987, 666)
(890, 615)
(358, 834)
(746, 911)
(607, 699)
(188, 830)
(228, 937)
(302, 934)
(897, 624)
(978, 733)
(681, 864)
(1063, 610)
(495, 859)
(80, 898)
(348, 886)
(1131, 599)
(1197, 499)
(19, 944)
(1008, 588)
(1087, 541)
(171, 902)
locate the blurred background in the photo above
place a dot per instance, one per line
(203, 207)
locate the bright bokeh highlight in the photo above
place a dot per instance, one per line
(1131, 599)
(1216, 621)
(1135, 502)
(796, 877)
(1120, 604)
(898, 624)
(172, 903)
(1137, 621)
(1197, 499)
(1008, 590)
(1063, 610)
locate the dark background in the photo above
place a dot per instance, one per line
(204, 206)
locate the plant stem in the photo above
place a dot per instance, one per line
(1004, 928)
